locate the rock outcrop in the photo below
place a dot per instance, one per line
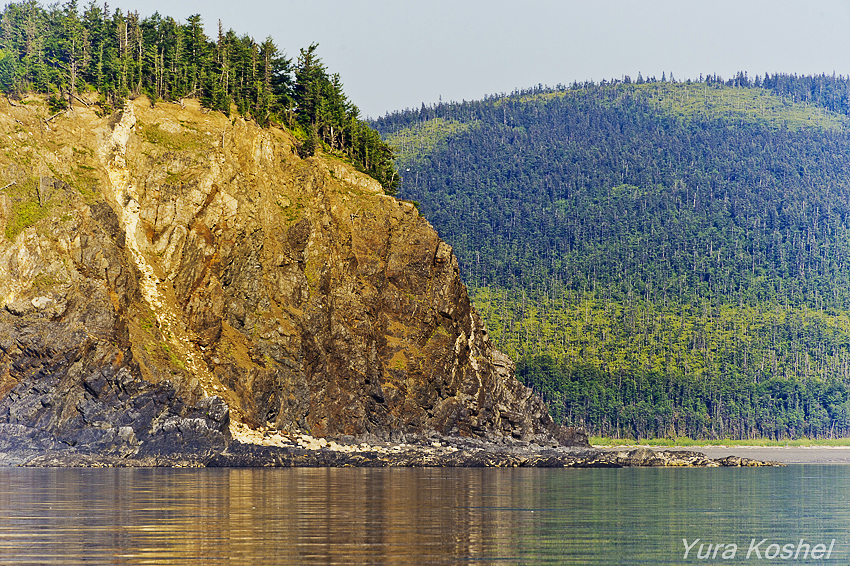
(285, 450)
(167, 274)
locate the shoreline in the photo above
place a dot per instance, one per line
(302, 450)
(812, 454)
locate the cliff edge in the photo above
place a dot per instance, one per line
(172, 279)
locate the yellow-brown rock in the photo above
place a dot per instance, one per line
(199, 257)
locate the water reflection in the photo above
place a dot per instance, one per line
(404, 516)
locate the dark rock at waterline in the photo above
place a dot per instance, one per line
(456, 453)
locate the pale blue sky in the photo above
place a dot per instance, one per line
(394, 54)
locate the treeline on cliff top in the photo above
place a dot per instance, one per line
(661, 257)
(62, 51)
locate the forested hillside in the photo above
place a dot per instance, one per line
(91, 55)
(662, 258)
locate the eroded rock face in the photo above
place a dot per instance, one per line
(68, 377)
(205, 260)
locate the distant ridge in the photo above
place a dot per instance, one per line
(663, 258)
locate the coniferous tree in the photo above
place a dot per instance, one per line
(660, 258)
(62, 52)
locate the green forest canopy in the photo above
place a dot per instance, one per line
(662, 258)
(62, 51)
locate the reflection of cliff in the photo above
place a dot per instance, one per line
(401, 517)
(161, 256)
(281, 516)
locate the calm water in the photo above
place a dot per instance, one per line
(415, 516)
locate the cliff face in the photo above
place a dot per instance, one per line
(166, 271)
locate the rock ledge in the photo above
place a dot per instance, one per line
(416, 451)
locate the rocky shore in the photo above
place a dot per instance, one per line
(276, 449)
(463, 453)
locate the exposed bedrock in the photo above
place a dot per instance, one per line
(186, 271)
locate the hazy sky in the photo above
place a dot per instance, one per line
(393, 54)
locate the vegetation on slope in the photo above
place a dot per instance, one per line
(65, 52)
(662, 258)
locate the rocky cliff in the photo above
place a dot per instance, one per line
(170, 277)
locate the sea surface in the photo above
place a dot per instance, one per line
(424, 516)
